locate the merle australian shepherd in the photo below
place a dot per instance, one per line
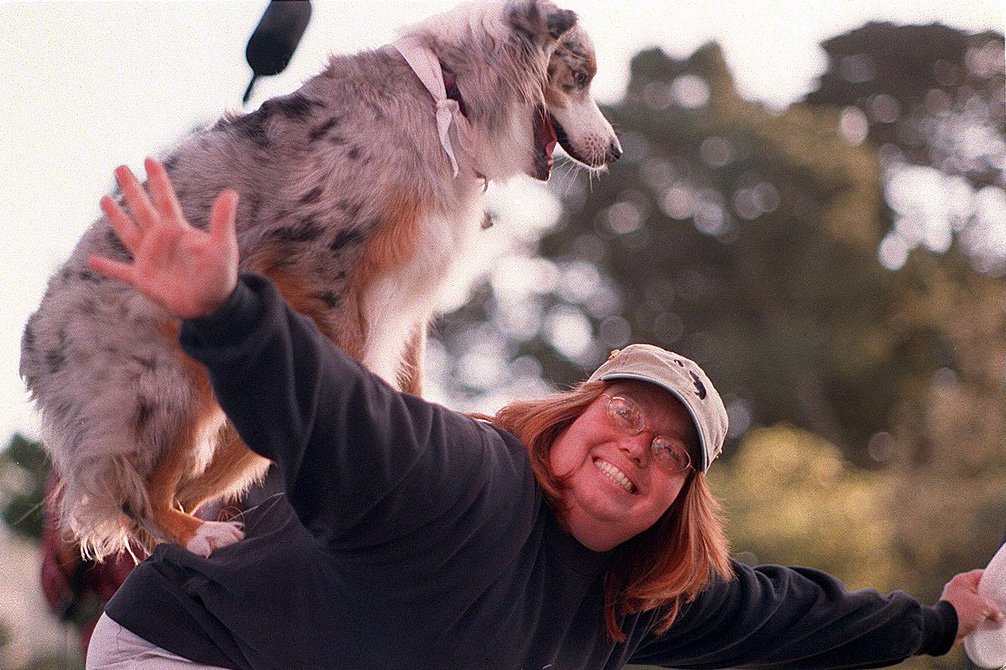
(358, 192)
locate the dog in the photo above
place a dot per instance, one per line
(357, 194)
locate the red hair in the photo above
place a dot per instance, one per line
(666, 565)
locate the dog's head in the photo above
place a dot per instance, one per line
(580, 128)
(567, 113)
(522, 71)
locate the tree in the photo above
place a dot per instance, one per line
(24, 469)
(930, 98)
(742, 239)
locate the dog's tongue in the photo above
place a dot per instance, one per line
(545, 134)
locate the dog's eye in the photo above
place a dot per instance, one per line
(580, 79)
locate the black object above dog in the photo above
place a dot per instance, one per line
(276, 38)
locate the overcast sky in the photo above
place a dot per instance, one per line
(85, 86)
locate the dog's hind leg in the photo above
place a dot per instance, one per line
(233, 468)
(182, 457)
(174, 525)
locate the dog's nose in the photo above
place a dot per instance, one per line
(614, 152)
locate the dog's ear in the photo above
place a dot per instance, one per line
(540, 21)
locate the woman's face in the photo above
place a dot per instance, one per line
(615, 488)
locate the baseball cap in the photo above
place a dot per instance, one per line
(681, 377)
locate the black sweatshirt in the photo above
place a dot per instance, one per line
(411, 536)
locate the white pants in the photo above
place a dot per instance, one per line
(113, 647)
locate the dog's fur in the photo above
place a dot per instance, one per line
(349, 205)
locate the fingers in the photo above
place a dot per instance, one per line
(136, 198)
(966, 580)
(973, 608)
(124, 272)
(223, 217)
(162, 191)
(123, 225)
(972, 577)
(161, 205)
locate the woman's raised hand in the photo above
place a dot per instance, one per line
(188, 271)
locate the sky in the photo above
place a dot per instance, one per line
(86, 86)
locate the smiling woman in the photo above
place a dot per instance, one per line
(609, 488)
(615, 484)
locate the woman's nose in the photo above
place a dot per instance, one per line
(636, 446)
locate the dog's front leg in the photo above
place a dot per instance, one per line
(163, 520)
(410, 376)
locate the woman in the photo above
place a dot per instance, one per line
(574, 532)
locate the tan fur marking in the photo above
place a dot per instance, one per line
(393, 244)
(300, 290)
(176, 525)
(553, 99)
(232, 470)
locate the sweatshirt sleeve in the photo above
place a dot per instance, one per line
(343, 438)
(772, 616)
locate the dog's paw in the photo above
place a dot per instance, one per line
(212, 535)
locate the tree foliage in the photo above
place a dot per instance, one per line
(24, 468)
(931, 100)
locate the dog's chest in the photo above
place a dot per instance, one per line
(401, 298)
(436, 243)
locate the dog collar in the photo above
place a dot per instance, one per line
(426, 65)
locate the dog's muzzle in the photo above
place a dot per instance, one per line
(612, 152)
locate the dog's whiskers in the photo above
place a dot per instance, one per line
(564, 172)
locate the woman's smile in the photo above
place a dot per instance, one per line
(615, 475)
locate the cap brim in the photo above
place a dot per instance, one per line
(703, 447)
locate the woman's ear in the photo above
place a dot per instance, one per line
(540, 22)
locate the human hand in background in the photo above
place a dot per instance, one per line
(188, 271)
(972, 607)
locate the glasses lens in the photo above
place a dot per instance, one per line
(624, 414)
(670, 457)
(628, 418)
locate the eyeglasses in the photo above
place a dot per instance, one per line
(627, 416)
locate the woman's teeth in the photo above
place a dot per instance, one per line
(614, 474)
